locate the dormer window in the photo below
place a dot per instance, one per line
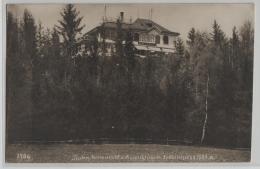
(165, 40)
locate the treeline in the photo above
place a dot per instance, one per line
(202, 94)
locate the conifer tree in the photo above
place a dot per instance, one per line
(191, 37)
(180, 47)
(234, 42)
(15, 75)
(31, 62)
(69, 28)
(129, 51)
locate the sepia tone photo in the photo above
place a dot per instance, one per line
(95, 83)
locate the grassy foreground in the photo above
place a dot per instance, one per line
(85, 153)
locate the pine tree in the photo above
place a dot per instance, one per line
(179, 47)
(245, 74)
(57, 60)
(191, 37)
(69, 28)
(129, 51)
(247, 44)
(221, 88)
(217, 33)
(55, 42)
(234, 42)
(15, 75)
(31, 63)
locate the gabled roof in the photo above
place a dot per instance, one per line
(138, 24)
(114, 25)
(146, 24)
(110, 24)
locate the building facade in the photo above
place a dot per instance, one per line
(147, 35)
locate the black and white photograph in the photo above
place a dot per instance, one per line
(129, 82)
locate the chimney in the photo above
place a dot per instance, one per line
(122, 16)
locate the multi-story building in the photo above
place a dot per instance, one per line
(147, 35)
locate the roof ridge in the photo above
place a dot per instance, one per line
(141, 24)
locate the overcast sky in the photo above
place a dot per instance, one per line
(175, 17)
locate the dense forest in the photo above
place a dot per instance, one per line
(202, 94)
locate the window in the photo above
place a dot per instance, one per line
(136, 37)
(151, 38)
(157, 39)
(165, 39)
(146, 38)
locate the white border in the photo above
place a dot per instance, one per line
(255, 150)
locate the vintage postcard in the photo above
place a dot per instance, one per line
(91, 83)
